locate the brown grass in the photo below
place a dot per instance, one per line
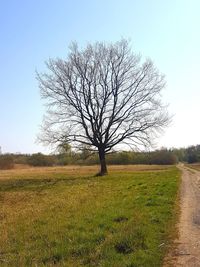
(22, 170)
(195, 166)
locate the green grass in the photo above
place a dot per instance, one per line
(120, 220)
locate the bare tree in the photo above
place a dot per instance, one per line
(101, 97)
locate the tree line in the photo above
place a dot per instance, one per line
(86, 157)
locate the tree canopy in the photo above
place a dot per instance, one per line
(101, 97)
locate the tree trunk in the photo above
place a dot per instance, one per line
(102, 159)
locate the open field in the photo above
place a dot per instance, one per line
(68, 217)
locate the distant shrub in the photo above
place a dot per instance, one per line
(39, 159)
(20, 158)
(92, 160)
(85, 157)
(163, 157)
(193, 154)
(160, 157)
(141, 158)
(123, 157)
(63, 159)
(6, 162)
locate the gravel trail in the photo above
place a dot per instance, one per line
(187, 252)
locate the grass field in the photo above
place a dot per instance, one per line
(69, 217)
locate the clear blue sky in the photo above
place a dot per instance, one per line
(32, 31)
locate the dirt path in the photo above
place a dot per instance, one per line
(188, 249)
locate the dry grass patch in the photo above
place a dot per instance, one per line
(195, 166)
(24, 171)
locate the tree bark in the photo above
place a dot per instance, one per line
(103, 166)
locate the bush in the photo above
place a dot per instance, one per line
(39, 159)
(193, 154)
(6, 162)
(124, 157)
(20, 158)
(163, 157)
(63, 159)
